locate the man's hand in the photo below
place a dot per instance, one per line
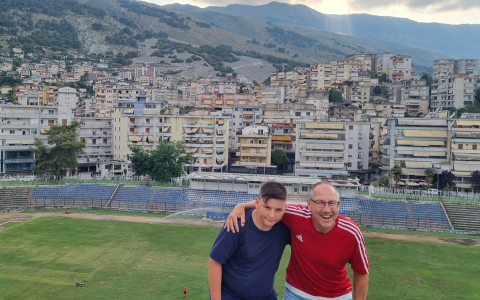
(238, 212)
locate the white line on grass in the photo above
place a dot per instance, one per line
(18, 224)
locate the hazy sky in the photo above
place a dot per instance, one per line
(440, 11)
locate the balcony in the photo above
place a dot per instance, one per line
(198, 125)
(251, 154)
(252, 145)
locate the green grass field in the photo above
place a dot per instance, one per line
(121, 260)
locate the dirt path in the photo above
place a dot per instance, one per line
(157, 220)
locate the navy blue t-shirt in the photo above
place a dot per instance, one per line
(250, 259)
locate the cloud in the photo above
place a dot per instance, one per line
(427, 5)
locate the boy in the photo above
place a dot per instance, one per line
(243, 265)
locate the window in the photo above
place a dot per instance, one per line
(350, 146)
(253, 159)
(12, 131)
(64, 121)
(94, 141)
(298, 114)
(460, 146)
(51, 112)
(350, 127)
(474, 147)
(349, 155)
(147, 130)
(304, 188)
(104, 141)
(308, 113)
(359, 154)
(131, 130)
(285, 130)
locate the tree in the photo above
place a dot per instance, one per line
(60, 152)
(471, 108)
(377, 90)
(334, 96)
(279, 158)
(383, 78)
(475, 180)
(477, 96)
(428, 78)
(167, 161)
(429, 174)
(446, 178)
(397, 174)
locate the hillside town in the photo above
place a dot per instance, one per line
(357, 117)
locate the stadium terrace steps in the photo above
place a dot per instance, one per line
(73, 195)
(395, 213)
(15, 197)
(464, 217)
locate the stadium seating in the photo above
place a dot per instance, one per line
(367, 212)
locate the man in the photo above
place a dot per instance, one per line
(322, 244)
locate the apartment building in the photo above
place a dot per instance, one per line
(443, 68)
(140, 124)
(254, 150)
(243, 116)
(400, 68)
(329, 149)
(105, 100)
(336, 72)
(414, 89)
(288, 113)
(284, 136)
(67, 97)
(145, 70)
(271, 94)
(415, 145)
(466, 66)
(465, 154)
(97, 133)
(219, 99)
(19, 124)
(452, 92)
(415, 107)
(368, 60)
(383, 62)
(344, 111)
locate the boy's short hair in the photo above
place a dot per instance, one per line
(273, 190)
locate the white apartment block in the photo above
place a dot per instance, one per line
(452, 92)
(288, 113)
(271, 94)
(415, 145)
(97, 133)
(466, 66)
(19, 124)
(400, 68)
(383, 62)
(254, 146)
(414, 89)
(67, 97)
(443, 68)
(205, 136)
(326, 149)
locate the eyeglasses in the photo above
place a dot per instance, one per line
(321, 203)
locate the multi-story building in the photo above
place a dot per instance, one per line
(283, 136)
(145, 70)
(19, 124)
(452, 92)
(344, 111)
(219, 99)
(443, 68)
(254, 149)
(414, 89)
(466, 66)
(383, 62)
(288, 113)
(105, 100)
(415, 145)
(271, 94)
(400, 68)
(415, 107)
(465, 154)
(67, 97)
(332, 148)
(97, 133)
(140, 124)
(243, 116)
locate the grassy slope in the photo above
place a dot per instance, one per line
(40, 260)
